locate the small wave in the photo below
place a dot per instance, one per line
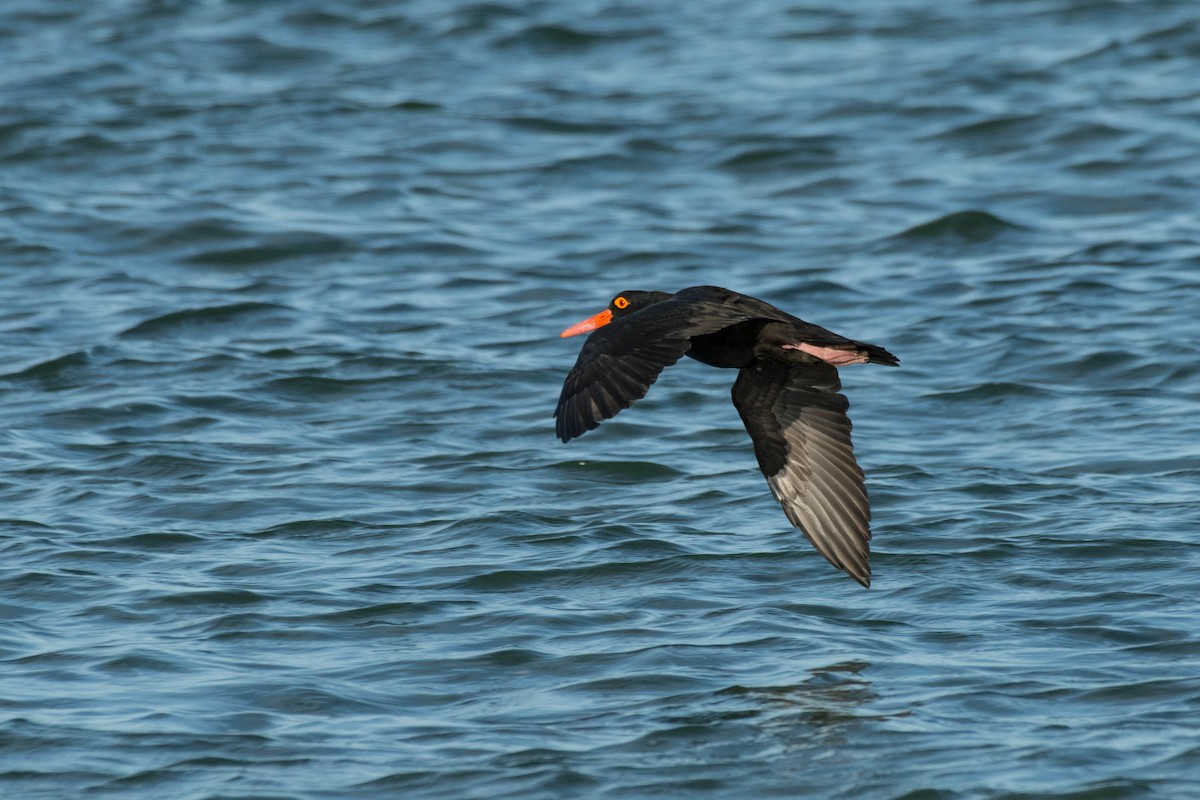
(139, 663)
(639, 682)
(619, 471)
(190, 320)
(509, 657)
(558, 125)
(212, 597)
(194, 231)
(313, 387)
(782, 156)
(969, 226)
(87, 146)
(434, 247)
(256, 54)
(564, 39)
(171, 541)
(417, 105)
(336, 528)
(1087, 133)
(24, 525)
(308, 700)
(393, 612)
(52, 371)
(995, 134)
(165, 465)
(271, 249)
(643, 548)
(609, 572)
(990, 392)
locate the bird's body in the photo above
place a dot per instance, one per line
(787, 393)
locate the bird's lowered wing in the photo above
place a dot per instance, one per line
(797, 420)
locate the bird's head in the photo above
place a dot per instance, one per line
(622, 305)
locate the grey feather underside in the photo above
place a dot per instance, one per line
(797, 419)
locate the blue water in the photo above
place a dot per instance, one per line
(282, 513)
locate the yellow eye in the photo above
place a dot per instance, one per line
(621, 302)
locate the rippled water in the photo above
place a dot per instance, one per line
(282, 512)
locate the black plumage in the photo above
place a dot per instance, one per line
(787, 393)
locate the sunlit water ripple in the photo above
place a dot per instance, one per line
(282, 513)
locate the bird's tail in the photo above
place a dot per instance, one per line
(877, 355)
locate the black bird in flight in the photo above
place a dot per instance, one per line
(787, 393)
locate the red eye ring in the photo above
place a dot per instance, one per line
(621, 302)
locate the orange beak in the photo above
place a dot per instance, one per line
(588, 325)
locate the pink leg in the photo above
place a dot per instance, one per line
(830, 355)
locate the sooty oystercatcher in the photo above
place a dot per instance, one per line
(787, 393)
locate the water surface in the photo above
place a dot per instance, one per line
(282, 513)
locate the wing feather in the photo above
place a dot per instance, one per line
(621, 361)
(797, 420)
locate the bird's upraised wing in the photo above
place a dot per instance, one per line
(619, 362)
